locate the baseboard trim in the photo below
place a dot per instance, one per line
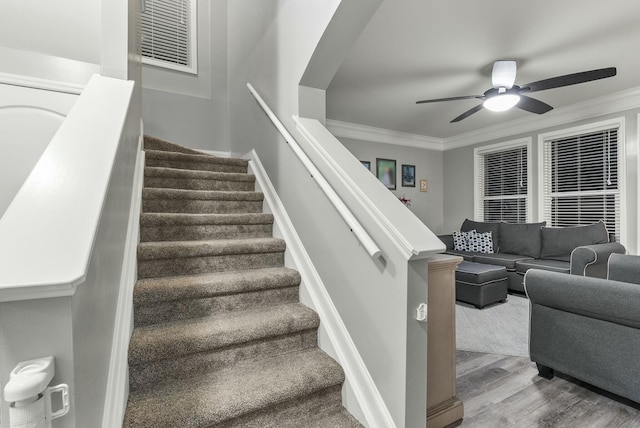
(117, 392)
(370, 405)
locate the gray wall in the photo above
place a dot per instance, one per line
(427, 206)
(192, 110)
(270, 45)
(459, 180)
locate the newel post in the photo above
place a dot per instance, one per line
(443, 406)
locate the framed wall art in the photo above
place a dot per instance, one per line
(386, 172)
(408, 175)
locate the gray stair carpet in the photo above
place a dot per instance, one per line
(220, 337)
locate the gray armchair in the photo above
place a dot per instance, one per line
(588, 328)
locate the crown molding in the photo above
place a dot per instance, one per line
(381, 135)
(596, 107)
(613, 103)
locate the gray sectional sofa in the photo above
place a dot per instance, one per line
(580, 250)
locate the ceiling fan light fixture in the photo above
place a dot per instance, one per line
(501, 102)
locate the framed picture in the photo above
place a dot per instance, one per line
(366, 164)
(424, 185)
(408, 175)
(386, 172)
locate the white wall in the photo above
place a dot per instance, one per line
(192, 110)
(427, 206)
(459, 180)
(67, 29)
(270, 45)
(70, 221)
(28, 120)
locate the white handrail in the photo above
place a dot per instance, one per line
(355, 226)
(412, 237)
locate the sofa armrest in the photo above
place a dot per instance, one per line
(624, 268)
(602, 299)
(447, 240)
(591, 260)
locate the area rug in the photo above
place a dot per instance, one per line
(502, 328)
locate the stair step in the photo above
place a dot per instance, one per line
(154, 143)
(166, 299)
(202, 162)
(182, 227)
(198, 180)
(322, 409)
(238, 391)
(185, 349)
(200, 201)
(174, 258)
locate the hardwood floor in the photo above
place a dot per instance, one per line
(503, 391)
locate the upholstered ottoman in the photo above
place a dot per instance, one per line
(481, 284)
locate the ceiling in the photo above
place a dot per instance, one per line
(416, 49)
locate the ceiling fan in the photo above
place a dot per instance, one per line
(505, 95)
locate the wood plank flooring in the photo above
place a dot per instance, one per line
(503, 391)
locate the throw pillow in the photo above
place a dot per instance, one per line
(459, 241)
(482, 227)
(481, 243)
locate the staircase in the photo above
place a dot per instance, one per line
(220, 337)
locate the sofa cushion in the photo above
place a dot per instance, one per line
(500, 259)
(559, 242)
(552, 265)
(466, 255)
(521, 238)
(482, 227)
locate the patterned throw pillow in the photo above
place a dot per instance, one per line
(459, 243)
(480, 243)
(461, 240)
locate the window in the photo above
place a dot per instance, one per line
(581, 179)
(169, 34)
(502, 182)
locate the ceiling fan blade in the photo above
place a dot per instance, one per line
(467, 113)
(532, 105)
(503, 74)
(466, 97)
(569, 79)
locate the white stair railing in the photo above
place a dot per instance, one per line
(355, 226)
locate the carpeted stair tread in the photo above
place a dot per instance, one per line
(174, 339)
(213, 195)
(239, 390)
(182, 249)
(160, 177)
(177, 219)
(154, 143)
(201, 227)
(193, 157)
(154, 171)
(337, 419)
(156, 290)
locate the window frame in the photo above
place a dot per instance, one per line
(545, 138)
(192, 68)
(479, 153)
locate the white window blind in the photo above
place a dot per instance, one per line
(502, 188)
(581, 181)
(169, 34)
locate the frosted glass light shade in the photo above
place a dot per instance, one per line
(501, 102)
